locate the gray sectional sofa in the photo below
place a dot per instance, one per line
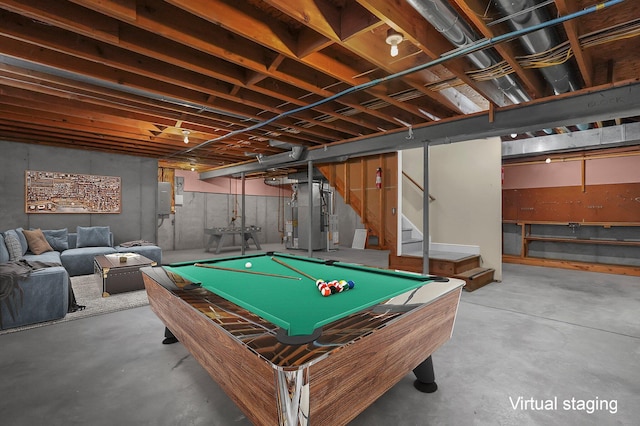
(44, 294)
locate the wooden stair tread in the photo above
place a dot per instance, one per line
(472, 273)
(476, 277)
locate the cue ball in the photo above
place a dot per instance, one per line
(247, 265)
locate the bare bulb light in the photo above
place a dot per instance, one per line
(393, 39)
(185, 133)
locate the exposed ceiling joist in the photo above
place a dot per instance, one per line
(217, 68)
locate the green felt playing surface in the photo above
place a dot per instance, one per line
(296, 305)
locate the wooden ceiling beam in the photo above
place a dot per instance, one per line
(119, 76)
(74, 137)
(572, 29)
(244, 20)
(203, 36)
(59, 14)
(124, 10)
(110, 117)
(315, 17)
(146, 66)
(138, 108)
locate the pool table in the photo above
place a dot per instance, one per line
(288, 355)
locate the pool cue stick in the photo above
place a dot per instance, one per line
(294, 269)
(222, 268)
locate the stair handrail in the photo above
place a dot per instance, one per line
(431, 197)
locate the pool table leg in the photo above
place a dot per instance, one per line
(426, 379)
(169, 338)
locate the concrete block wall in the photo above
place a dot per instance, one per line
(199, 210)
(185, 229)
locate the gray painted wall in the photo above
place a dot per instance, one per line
(139, 189)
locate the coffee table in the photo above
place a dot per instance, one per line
(120, 272)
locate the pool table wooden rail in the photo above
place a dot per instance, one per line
(341, 384)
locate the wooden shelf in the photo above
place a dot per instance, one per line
(543, 222)
(527, 238)
(584, 241)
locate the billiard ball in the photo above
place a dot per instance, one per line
(248, 265)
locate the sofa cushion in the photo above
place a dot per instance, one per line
(4, 254)
(44, 295)
(48, 256)
(79, 261)
(14, 248)
(93, 236)
(37, 242)
(57, 238)
(151, 252)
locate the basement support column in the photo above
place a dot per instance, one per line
(310, 221)
(425, 209)
(242, 218)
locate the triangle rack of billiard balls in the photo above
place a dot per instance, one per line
(327, 288)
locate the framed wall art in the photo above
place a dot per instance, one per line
(59, 192)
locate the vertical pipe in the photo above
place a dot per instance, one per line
(382, 208)
(242, 223)
(310, 222)
(583, 171)
(425, 210)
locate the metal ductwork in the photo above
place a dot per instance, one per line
(284, 157)
(560, 77)
(447, 21)
(523, 14)
(607, 137)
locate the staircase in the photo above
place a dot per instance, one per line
(456, 265)
(353, 180)
(447, 264)
(411, 238)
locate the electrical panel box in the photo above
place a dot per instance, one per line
(164, 198)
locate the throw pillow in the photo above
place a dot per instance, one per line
(58, 239)
(13, 246)
(93, 236)
(4, 254)
(14, 233)
(22, 239)
(37, 242)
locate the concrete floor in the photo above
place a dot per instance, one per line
(547, 334)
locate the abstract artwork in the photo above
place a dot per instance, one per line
(59, 192)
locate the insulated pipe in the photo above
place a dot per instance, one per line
(310, 222)
(242, 218)
(560, 77)
(459, 33)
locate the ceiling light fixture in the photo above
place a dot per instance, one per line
(186, 134)
(514, 135)
(394, 38)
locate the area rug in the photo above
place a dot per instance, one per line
(88, 292)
